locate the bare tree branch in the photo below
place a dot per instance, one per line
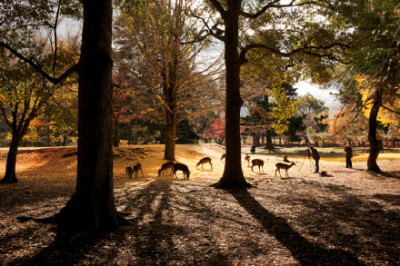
(274, 5)
(29, 61)
(219, 7)
(305, 49)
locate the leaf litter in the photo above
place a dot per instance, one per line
(349, 218)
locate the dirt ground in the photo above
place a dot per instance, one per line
(350, 217)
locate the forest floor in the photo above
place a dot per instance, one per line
(350, 217)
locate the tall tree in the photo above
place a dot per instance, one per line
(92, 205)
(23, 94)
(374, 57)
(231, 13)
(166, 59)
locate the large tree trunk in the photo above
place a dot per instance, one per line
(256, 139)
(373, 140)
(269, 145)
(233, 173)
(92, 205)
(10, 176)
(170, 136)
(116, 132)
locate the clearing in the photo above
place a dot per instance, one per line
(350, 217)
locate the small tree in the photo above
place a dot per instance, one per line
(24, 94)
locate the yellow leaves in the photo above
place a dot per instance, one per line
(148, 110)
(366, 88)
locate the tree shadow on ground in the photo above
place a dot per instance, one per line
(388, 174)
(304, 251)
(66, 249)
(352, 221)
(155, 232)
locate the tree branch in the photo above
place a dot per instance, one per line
(243, 60)
(219, 7)
(29, 61)
(274, 5)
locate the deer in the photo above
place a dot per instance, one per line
(129, 171)
(247, 158)
(223, 156)
(136, 168)
(285, 166)
(203, 161)
(285, 159)
(182, 167)
(257, 162)
(166, 166)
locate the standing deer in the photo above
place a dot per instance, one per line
(257, 162)
(280, 166)
(203, 161)
(182, 167)
(166, 166)
(129, 171)
(247, 158)
(136, 168)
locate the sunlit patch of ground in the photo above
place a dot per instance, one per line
(350, 217)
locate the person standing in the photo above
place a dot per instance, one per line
(315, 155)
(349, 154)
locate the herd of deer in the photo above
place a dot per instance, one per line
(172, 168)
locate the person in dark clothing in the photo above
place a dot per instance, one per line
(253, 149)
(349, 154)
(315, 155)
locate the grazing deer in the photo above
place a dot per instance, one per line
(247, 158)
(129, 171)
(203, 161)
(182, 167)
(136, 168)
(280, 166)
(166, 166)
(223, 156)
(257, 162)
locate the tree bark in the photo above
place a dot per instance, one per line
(269, 145)
(116, 132)
(92, 205)
(233, 172)
(10, 176)
(256, 139)
(170, 136)
(373, 140)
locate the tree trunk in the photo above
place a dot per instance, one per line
(233, 173)
(373, 140)
(116, 132)
(256, 139)
(92, 205)
(269, 145)
(170, 136)
(10, 176)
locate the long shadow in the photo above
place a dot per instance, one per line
(154, 239)
(66, 249)
(358, 222)
(305, 252)
(388, 174)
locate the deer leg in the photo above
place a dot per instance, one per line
(211, 166)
